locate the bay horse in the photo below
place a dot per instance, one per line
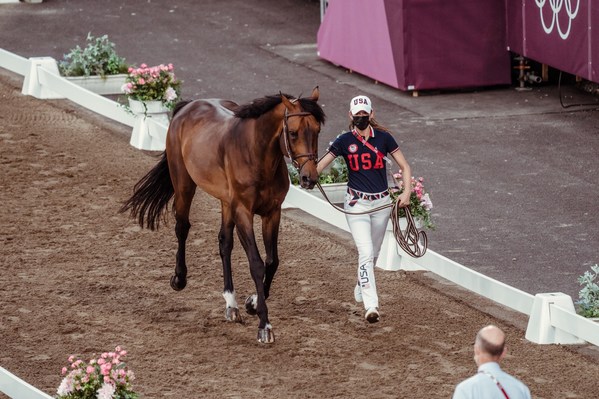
(236, 154)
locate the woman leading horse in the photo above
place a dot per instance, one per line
(236, 154)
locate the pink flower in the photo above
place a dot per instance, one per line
(105, 368)
(90, 369)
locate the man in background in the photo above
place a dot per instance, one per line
(490, 382)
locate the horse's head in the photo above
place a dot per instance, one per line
(299, 139)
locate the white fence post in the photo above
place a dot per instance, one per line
(540, 327)
(31, 83)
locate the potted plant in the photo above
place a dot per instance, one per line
(104, 377)
(420, 201)
(155, 86)
(151, 92)
(96, 67)
(588, 302)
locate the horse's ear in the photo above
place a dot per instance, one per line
(315, 94)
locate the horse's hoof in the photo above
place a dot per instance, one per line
(266, 335)
(251, 303)
(178, 283)
(232, 314)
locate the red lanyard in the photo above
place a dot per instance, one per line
(491, 376)
(367, 144)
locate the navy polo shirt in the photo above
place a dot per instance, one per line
(367, 171)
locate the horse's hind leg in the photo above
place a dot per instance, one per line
(225, 245)
(184, 192)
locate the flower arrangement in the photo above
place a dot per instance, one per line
(156, 83)
(105, 377)
(588, 303)
(97, 58)
(420, 201)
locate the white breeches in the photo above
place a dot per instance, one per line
(368, 231)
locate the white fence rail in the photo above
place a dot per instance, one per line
(552, 317)
(14, 63)
(77, 94)
(16, 388)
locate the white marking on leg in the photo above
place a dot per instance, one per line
(230, 299)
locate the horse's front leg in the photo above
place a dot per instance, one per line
(245, 231)
(270, 235)
(225, 246)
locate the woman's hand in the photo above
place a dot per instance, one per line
(404, 199)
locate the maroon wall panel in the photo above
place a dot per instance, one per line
(514, 28)
(454, 44)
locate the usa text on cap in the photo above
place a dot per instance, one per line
(360, 103)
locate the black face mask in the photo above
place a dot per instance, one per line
(361, 121)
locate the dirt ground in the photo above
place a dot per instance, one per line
(77, 277)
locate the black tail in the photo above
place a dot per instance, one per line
(151, 195)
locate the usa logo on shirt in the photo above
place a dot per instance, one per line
(352, 148)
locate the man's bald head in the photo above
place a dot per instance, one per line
(491, 340)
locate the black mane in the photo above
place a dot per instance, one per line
(260, 106)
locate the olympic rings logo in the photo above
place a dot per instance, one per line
(556, 8)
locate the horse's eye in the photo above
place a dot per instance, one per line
(293, 134)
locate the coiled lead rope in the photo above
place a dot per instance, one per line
(412, 241)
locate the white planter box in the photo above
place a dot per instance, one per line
(146, 134)
(111, 84)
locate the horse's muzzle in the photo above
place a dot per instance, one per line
(307, 182)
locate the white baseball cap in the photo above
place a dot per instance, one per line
(360, 103)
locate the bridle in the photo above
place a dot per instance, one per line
(285, 134)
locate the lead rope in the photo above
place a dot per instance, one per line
(412, 241)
